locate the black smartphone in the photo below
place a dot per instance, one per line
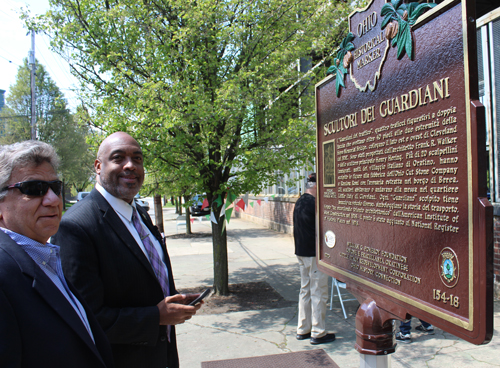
(200, 298)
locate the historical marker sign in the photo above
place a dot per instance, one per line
(402, 213)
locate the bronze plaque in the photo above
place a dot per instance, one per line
(402, 213)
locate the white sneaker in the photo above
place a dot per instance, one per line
(406, 338)
(427, 330)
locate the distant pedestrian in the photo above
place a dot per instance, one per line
(313, 283)
(404, 334)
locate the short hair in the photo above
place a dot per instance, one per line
(23, 154)
(312, 178)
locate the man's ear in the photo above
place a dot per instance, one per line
(97, 166)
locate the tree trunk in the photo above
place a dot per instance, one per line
(176, 205)
(158, 213)
(188, 218)
(180, 206)
(63, 196)
(219, 241)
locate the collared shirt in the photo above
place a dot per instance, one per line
(124, 211)
(47, 257)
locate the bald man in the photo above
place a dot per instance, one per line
(118, 261)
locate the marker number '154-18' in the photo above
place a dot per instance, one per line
(441, 296)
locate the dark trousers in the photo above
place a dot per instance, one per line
(405, 327)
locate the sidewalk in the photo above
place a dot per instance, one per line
(258, 254)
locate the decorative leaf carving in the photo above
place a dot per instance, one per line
(338, 62)
(405, 15)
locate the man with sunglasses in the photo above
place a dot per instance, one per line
(118, 261)
(43, 320)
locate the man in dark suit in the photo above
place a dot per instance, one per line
(43, 320)
(118, 261)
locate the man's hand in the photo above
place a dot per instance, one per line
(173, 310)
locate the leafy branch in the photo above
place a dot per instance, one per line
(399, 17)
(342, 61)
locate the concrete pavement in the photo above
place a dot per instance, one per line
(258, 254)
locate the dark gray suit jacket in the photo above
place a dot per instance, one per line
(104, 262)
(38, 326)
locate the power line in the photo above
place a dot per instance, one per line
(58, 61)
(6, 51)
(69, 78)
(10, 61)
(7, 14)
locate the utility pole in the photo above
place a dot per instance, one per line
(31, 60)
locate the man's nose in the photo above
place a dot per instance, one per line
(129, 164)
(51, 199)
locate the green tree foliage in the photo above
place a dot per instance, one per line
(54, 124)
(213, 90)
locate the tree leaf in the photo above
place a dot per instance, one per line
(332, 69)
(411, 8)
(340, 55)
(387, 9)
(408, 42)
(340, 78)
(385, 22)
(396, 3)
(419, 10)
(403, 26)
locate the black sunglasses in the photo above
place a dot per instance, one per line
(37, 187)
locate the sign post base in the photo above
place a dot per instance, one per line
(374, 333)
(375, 361)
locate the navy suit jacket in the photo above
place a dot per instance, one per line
(38, 326)
(106, 265)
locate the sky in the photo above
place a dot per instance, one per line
(15, 43)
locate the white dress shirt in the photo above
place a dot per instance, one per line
(124, 211)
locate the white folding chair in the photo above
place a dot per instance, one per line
(338, 285)
(181, 221)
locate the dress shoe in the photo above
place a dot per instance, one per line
(304, 336)
(323, 340)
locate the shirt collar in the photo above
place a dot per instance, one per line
(34, 248)
(119, 205)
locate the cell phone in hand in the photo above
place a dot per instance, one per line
(201, 297)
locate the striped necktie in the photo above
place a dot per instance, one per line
(154, 259)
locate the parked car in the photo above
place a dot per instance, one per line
(196, 203)
(291, 190)
(142, 203)
(81, 195)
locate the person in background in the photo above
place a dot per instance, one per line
(313, 283)
(404, 334)
(43, 320)
(118, 261)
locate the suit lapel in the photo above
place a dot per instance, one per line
(59, 303)
(47, 289)
(117, 225)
